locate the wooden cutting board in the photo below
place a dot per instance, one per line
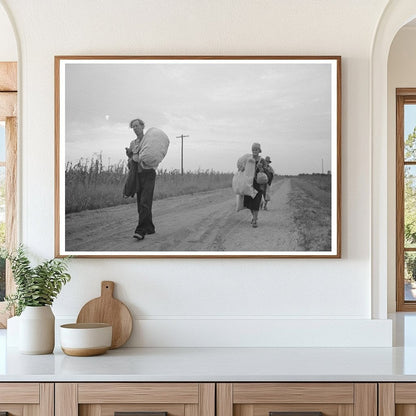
(108, 310)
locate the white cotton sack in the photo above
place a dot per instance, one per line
(243, 180)
(239, 202)
(154, 148)
(241, 163)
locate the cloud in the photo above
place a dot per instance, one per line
(223, 107)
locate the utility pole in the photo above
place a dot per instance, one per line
(181, 137)
(322, 166)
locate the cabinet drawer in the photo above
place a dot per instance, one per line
(303, 399)
(138, 393)
(147, 399)
(21, 399)
(19, 393)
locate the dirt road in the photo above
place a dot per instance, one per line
(200, 222)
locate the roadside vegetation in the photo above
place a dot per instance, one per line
(91, 185)
(310, 200)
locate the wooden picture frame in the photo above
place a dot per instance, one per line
(213, 110)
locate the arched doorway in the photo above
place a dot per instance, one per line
(395, 16)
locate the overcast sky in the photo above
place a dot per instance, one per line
(223, 107)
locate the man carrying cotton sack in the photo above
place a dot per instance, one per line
(144, 153)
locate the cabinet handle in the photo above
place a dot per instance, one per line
(295, 413)
(138, 414)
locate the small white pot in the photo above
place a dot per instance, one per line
(37, 330)
(85, 339)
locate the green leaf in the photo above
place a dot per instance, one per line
(35, 286)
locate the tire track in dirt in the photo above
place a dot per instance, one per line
(204, 221)
(182, 223)
(276, 228)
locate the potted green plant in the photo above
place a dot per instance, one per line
(36, 289)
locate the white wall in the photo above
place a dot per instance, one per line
(8, 46)
(203, 302)
(401, 74)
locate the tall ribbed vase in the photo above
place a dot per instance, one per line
(37, 330)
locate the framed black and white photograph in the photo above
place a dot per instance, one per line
(198, 156)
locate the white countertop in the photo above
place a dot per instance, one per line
(221, 364)
(215, 364)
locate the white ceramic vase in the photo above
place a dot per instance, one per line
(37, 330)
(12, 334)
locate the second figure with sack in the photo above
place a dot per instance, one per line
(260, 181)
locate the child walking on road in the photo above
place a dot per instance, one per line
(270, 173)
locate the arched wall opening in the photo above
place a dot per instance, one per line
(8, 44)
(396, 15)
(401, 74)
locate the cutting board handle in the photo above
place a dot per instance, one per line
(107, 289)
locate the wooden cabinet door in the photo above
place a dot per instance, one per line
(297, 399)
(26, 399)
(397, 399)
(143, 399)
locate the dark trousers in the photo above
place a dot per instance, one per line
(253, 204)
(145, 187)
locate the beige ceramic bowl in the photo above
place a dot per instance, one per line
(83, 340)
